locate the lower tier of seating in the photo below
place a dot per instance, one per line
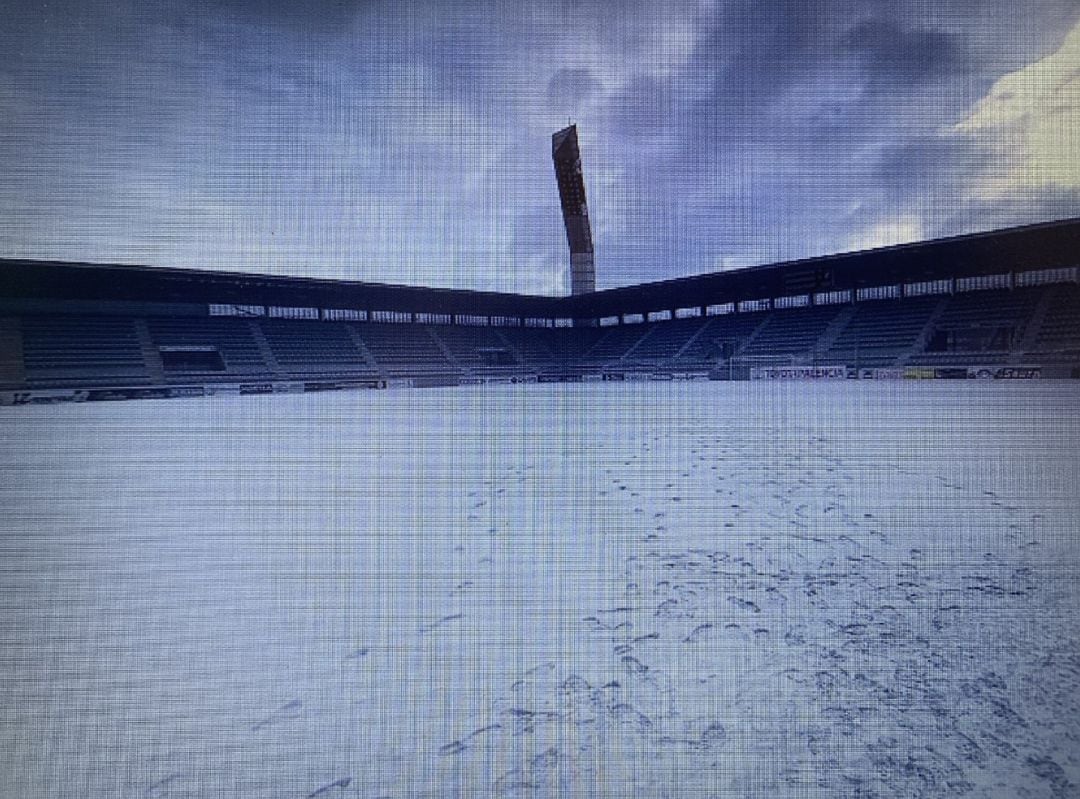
(1030, 327)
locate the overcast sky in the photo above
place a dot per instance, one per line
(409, 142)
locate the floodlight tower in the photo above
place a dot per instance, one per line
(567, 158)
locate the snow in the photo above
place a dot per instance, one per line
(670, 589)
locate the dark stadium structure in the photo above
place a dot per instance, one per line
(1003, 304)
(566, 156)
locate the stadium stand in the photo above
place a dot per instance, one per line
(232, 340)
(570, 345)
(477, 349)
(791, 334)
(985, 326)
(1057, 339)
(721, 339)
(613, 345)
(881, 332)
(662, 342)
(1002, 304)
(529, 347)
(307, 349)
(81, 350)
(402, 350)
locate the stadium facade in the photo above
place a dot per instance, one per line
(1004, 304)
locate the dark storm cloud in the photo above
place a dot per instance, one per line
(409, 141)
(826, 119)
(894, 55)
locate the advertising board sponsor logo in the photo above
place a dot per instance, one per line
(439, 381)
(48, 397)
(798, 372)
(919, 373)
(108, 394)
(1005, 373)
(223, 388)
(187, 391)
(341, 385)
(256, 388)
(1019, 373)
(568, 377)
(881, 373)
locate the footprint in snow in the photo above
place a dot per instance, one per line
(325, 789)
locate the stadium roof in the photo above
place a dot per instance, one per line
(1039, 246)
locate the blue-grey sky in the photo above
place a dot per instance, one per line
(409, 142)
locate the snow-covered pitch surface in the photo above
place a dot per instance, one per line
(656, 590)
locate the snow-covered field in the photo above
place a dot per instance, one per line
(655, 590)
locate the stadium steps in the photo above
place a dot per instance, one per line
(1058, 337)
(570, 344)
(150, 353)
(446, 351)
(315, 349)
(403, 350)
(690, 341)
(706, 348)
(369, 359)
(530, 346)
(478, 350)
(1030, 337)
(878, 332)
(514, 352)
(791, 335)
(835, 328)
(265, 350)
(754, 335)
(614, 346)
(919, 345)
(990, 326)
(660, 346)
(654, 330)
(11, 353)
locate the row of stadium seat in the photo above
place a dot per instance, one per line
(1029, 325)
